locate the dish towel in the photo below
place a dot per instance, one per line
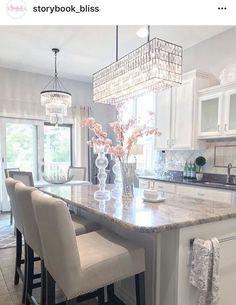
(204, 271)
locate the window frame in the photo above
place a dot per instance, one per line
(70, 126)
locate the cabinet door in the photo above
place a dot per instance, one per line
(163, 118)
(229, 127)
(182, 116)
(210, 116)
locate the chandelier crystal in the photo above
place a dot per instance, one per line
(55, 100)
(154, 66)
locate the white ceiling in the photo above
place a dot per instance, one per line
(84, 49)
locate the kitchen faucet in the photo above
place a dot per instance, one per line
(228, 172)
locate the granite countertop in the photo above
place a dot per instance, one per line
(211, 181)
(175, 212)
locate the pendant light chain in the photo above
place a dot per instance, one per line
(148, 37)
(54, 96)
(117, 43)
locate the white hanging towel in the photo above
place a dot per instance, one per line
(204, 271)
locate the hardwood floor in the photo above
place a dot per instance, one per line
(9, 293)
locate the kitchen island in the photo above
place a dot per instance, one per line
(165, 231)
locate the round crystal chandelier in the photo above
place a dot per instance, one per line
(55, 98)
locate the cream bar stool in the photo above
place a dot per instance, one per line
(32, 238)
(83, 265)
(32, 241)
(10, 186)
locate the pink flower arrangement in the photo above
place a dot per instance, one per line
(127, 134)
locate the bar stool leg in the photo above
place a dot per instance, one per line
(25, 276)
(11, 218)
(43, 284)
(29, 275)
(18, 255)
(140, 289)
(101, 299)
(50, 289)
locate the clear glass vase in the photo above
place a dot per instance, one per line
(128, 175)
(116, 191)
(101, 163)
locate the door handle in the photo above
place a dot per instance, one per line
(225, 127)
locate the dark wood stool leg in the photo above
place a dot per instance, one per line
(11, 218)
(140, 289)
(43, 284)
(18, 255)
(30, 274)
(25, 276)
(50, 289)
(101, 299)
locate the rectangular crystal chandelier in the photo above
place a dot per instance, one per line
(154, 66)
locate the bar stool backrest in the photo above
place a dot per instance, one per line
(25, 177)
(10, 186)
(30, 227)
(8, 170)
(77, 173)
(61, 255)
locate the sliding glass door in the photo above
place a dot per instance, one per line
(21, 147)
(34, 146)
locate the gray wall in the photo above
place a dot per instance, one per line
(24, 87)
(213, 54)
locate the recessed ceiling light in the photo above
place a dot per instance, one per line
(142, 32)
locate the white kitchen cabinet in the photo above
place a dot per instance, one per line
(217, 112)
(176, 112)
(182, 116)
(204, 193)
(210, 115)
(229, 126)
(164, 187)
(197, 192)
(144, 184)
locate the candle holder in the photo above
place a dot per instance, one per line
(101, 163)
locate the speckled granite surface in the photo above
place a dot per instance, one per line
(175, 212)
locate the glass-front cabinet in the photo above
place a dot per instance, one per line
(210, 113)
(230, 113)
(217, 112)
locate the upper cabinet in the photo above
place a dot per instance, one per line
(176, 112)
(217, 112)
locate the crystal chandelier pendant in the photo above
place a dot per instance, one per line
(154, 66)
(56, 100)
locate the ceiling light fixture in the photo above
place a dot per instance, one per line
(154, 66)
(56, 100)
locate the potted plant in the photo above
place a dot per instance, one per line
(200, 162)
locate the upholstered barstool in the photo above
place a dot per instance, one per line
(83, 265)
(32, 238)
(10, 186)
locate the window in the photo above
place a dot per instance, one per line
(21, 147)
(57, 148)
(140, 109)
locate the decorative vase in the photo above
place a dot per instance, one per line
(128, 175)
(101, 163)
(117, 189)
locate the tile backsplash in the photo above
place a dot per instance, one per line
(175, 159)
